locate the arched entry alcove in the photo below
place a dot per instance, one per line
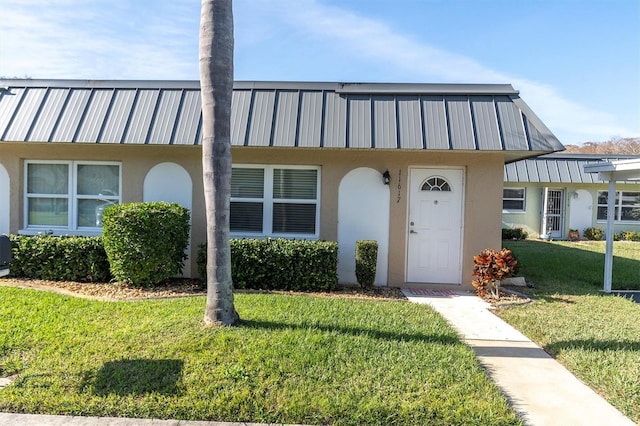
(170, 182)
(363, 214)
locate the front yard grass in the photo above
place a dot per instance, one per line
(596, 336)
(295, 359)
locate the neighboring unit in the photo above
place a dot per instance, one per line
(549, 195)
(416, 167)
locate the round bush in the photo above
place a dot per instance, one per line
(145, 242)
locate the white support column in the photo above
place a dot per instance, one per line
(608, 259)
(545, 207)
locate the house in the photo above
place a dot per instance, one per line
(555, 190)
(417, 167)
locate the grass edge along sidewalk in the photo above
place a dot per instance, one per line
(595, 335)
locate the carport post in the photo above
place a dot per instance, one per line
(611, 211)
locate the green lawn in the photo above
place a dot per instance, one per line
(596, 336)
(295, 359)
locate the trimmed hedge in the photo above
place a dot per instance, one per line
(279, 264)
(366, 262)
(65, 258)
(145, 242)
(629, 236)
(514, 234)
(593, 234)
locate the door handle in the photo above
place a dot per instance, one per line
(413, 232)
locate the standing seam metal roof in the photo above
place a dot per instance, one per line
(558, 168)
(285, 114)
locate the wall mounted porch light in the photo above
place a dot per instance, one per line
(386, 177)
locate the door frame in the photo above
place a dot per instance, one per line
(545, 234)
(463, 181)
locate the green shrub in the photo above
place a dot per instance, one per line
(366, 261)
(279, 264)
(145, 242)
(593, 234)
(514, 234)
(64, 258)
(629, 236)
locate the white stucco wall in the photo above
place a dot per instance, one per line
(4, 201)
(363, 214)
(170, 182)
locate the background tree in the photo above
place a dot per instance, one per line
(216, 88)
(621, 146)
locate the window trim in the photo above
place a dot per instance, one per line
(268, 202)
(72, 198)
(618, 207)
(523, 199)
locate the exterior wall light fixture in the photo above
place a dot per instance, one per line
(386, 177)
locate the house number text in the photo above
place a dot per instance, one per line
(399, 185)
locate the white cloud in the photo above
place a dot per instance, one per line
(96, 39)
(83, 39)
(377, 42)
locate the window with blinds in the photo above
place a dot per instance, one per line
(275, 201)
(513, 200)
(626, 209)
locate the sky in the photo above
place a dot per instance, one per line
(575, 62)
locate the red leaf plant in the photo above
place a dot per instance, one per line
(489, 268)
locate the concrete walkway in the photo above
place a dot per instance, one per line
(537, 386)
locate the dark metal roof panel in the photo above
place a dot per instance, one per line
(261, 118)
(359, 107)
(287, 114)
(335, 123)
(142, 116)
(25, 116)
(410, 122)
(70, 120)
(564, 169)
(9, 106)
(385, 128)
(240, 106)
(49, 113)
(187, 131)
(485, 123)
(522, 171)
(311, 113)
(511, 125)
(93, 118)
(165, 117)
(533, 172)
(460, 129)
(286, 119)
(116, 124)
(435, 122)
(543, 172)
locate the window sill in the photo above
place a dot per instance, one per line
(61, 232)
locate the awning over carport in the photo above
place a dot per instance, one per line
(613, 171)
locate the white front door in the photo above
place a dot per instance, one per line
(435, 226)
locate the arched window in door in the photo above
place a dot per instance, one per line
(436, 183)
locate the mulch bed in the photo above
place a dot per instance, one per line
(176, 288)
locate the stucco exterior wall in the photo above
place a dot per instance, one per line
(482, 197)
(531, 219)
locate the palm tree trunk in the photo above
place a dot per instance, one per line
(216, 88)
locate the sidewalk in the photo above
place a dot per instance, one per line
(537, 386)
(46, 420)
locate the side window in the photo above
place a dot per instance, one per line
(69, 195)
(513, 199)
